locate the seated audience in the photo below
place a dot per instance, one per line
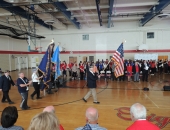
(51, 109)
(9, 117)
(91, 120)
(138, 115)
(44, 121)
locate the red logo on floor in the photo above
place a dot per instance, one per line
(161, 121)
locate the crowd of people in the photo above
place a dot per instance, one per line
(106, 69)
(91, 71)
(139, 69)
(47, 119)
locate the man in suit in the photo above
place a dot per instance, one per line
(145, 68)
(91, 83)
(138, 115)
(5, 85)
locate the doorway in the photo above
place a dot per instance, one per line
(91, 58)
(72, 59)
(163, 58)
(85, 58)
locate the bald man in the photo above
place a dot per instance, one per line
(51, 109)
(138, 115)
(91, 120)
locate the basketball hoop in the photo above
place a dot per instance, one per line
(39, 49)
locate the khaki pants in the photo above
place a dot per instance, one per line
(93, 92)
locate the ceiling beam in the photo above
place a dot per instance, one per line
(21, 12)
(61, 6)
(155, 10)
(113, 18)
(111, 2)
(99, 12)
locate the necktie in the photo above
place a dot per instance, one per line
(8, 77)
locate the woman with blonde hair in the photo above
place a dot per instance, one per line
(44, 121)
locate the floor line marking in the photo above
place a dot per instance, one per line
(146, 96)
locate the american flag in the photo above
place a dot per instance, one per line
(119, 61)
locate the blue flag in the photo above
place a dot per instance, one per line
(45, 65)
(56, 60)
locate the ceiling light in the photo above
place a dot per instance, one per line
(76, 1)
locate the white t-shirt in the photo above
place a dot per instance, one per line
(34, 77)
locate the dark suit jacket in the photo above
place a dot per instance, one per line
(91, 79)
(134, 69)
(143, 67)
(5, 83)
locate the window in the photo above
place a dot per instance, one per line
(150, 35)
(85, 37)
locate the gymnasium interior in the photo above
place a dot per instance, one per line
(88, 30)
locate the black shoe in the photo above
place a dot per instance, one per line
(50, 93)
(11, 102)
(84, 100)
(96, 102)
(39, 97)
(23, 108)
(32, 97)
(28, 107)
(4, 101)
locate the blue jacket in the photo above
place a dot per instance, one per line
(5, 83)
(20, 81)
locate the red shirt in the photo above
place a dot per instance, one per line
(143, 125)
(63, 66)
(61, 127)
(153, 65)
(81, 68)
(129, 69)
(70, 66)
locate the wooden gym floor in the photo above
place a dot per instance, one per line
(115, 99)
